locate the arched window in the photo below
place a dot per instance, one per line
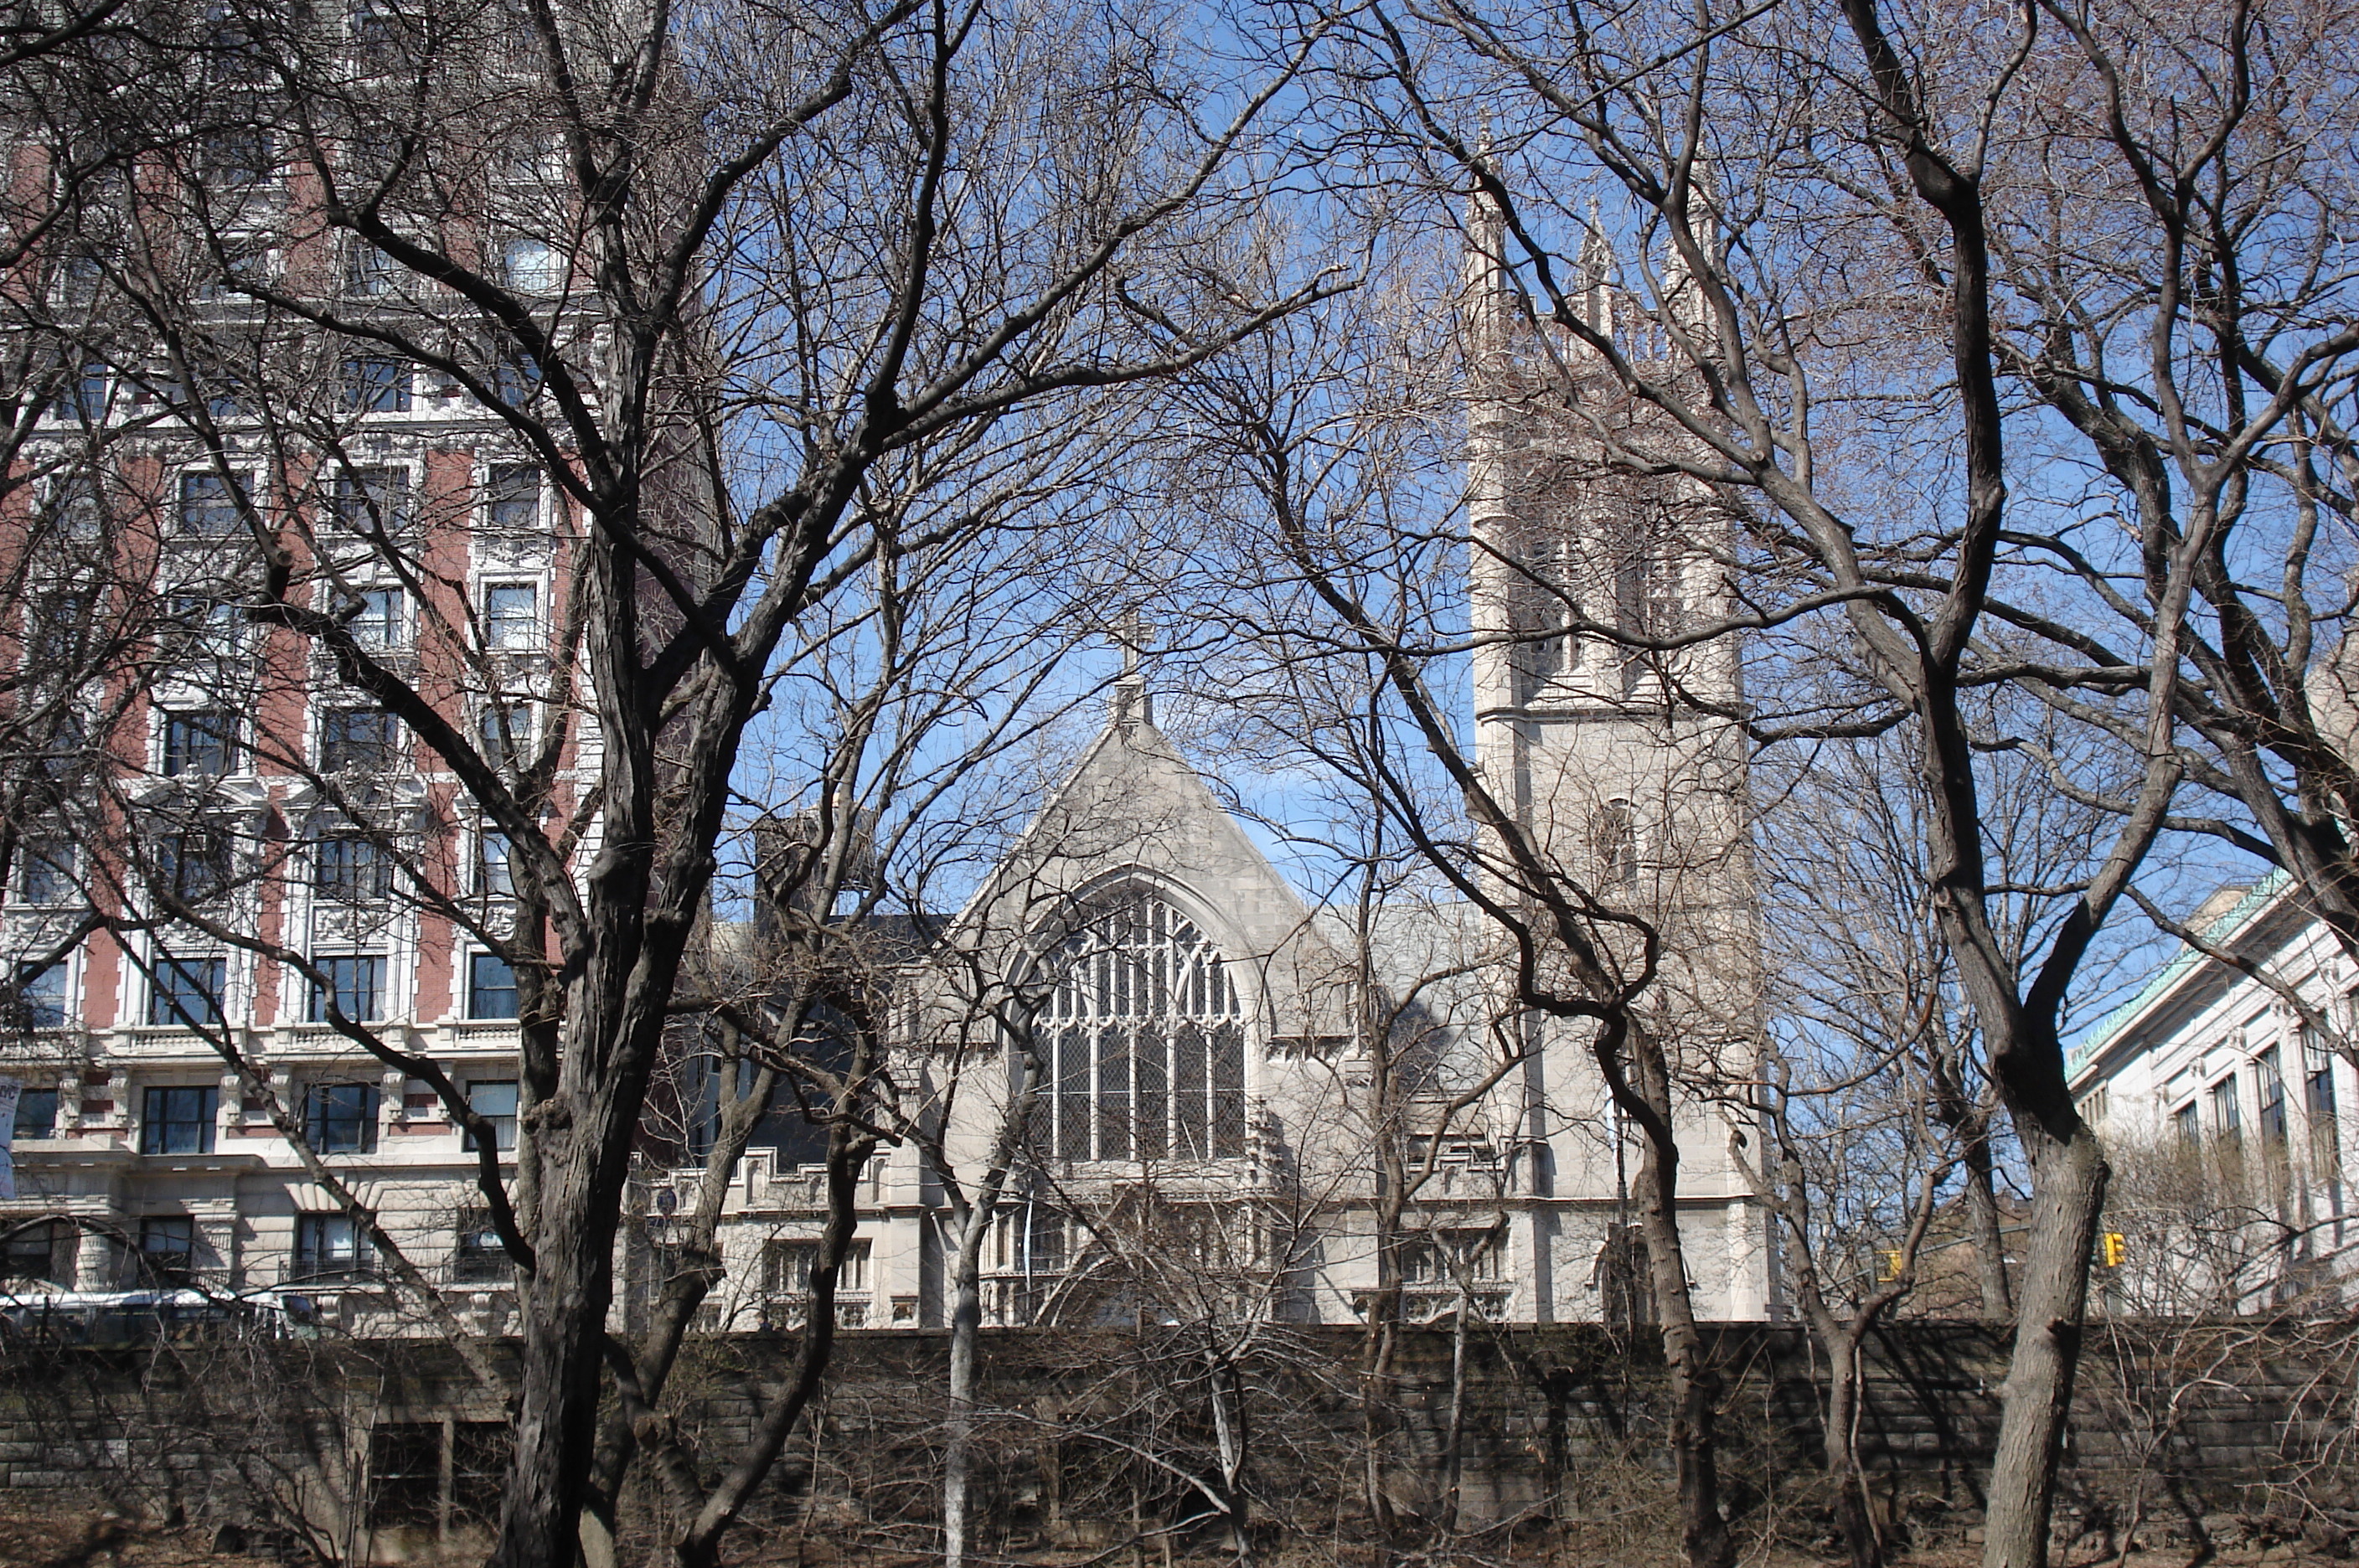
(1143, 1039)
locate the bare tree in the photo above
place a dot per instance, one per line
(1859, 978)
(1330, 449)
(1772, 237)
(741, 369)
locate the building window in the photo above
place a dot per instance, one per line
(76, 505)
(41, 1250)
(528, 158)
(236, 159)
(2227, 1114)
(356, 740)
(1648, 596)
(380, 623)
(226, 398)
(480, 1455)
(2317, 1102)
(211, 628)
(195, 865)
(340, 1118)
(1444, 1257)
(2187, 1126)
(1613, 839)
(372, 502)
(512, 499)
(405, 1474)
(233, 54)
(82, 400)
(176, 1120)
(491, 987)
(375, 384)
(209, 506)
(1144, 1041)
(245, 262)
(1541, 606)
(349, 869)
(355, 984)
(378, 44)
(36, 1114)
(1032, 1239)
(42, 996)
(198, 743)
(530, 265)
(329, 1247)
(167, 1249)
(47, 871)
(494, 874)
(505, 730)
(56, 757)
(369, 273)
(516, 375)
(81, 273)
(58, 627)
(2268, 1092)
(406, 1469)
(787, 1267)
(477, 1254)
(511, 615)
(188, 991)
(495, 1101)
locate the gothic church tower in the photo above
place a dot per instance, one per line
(1615, 741)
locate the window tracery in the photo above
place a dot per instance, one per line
(1142, 1038)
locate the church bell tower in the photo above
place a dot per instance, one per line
(1608, 721)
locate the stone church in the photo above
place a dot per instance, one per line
(1233, 1100)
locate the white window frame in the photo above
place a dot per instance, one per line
(246, 480)
(535, 637)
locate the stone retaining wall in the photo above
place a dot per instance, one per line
(1088, 1436)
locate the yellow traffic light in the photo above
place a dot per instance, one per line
(1891, 1269)
(2115, 1248)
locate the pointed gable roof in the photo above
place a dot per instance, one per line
(1134, 813)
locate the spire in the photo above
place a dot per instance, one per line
(1681, 300)
(1131, 706)
(1596, 274)
(1483, 275)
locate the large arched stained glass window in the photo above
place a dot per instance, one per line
(1143, 1039)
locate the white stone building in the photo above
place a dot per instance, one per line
(1206, 1125)
(2226, 1111)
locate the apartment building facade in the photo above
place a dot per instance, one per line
(228, 858)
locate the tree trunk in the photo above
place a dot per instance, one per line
(1385, 1305)
(1694, 1379)
(1990, 1243)
(1695, 1397)
(1229, 1437)
(1376, 1411)
(1861, 1541)
(2069, 1188)
(1453, 1450)
(564, 1313)
(975, 1216)
(958, 1440)
(698, 1545)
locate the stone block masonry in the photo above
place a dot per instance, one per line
(381, 1450)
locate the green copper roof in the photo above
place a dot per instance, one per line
(2182, 963)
